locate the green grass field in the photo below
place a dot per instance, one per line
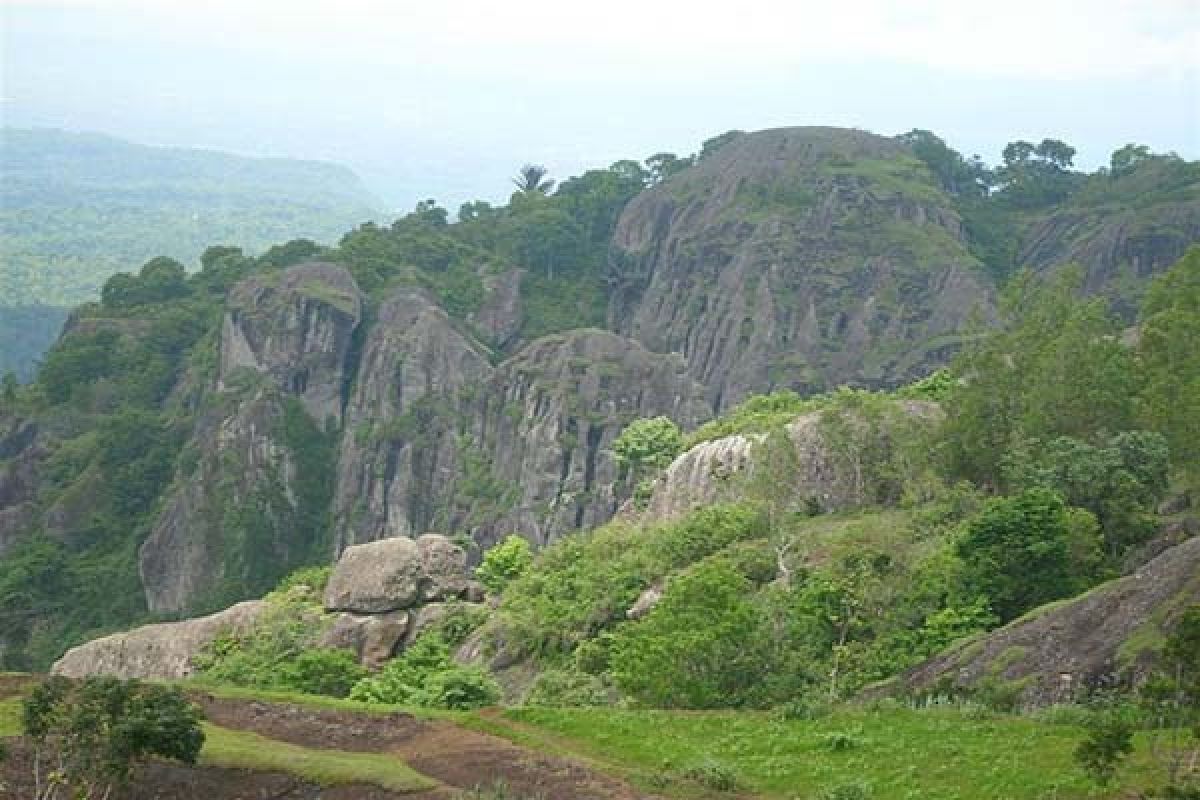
(894, 754)
(245, 750)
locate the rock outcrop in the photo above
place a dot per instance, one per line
(296, 327)
(799, 258)
(21, 454)
(721, 470)
(397, 573)
(438, 438)
(1120, 246)
(156, 652)
(1101, 638)
(233, 521)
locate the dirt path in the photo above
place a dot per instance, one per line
(458, 758)
(454, 756)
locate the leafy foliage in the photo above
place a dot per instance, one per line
(425, 676)
(504, 563)
(1016, 552)
(99, 729)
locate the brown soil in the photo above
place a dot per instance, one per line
(458, 758)
(443, 751)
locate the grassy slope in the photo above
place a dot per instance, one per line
(245, 750)
(930, 754)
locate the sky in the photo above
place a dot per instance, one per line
(446, 100)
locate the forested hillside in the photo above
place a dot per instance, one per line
(192, 438)
(76, 208)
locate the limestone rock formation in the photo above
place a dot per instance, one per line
(156, 652)
(231, 522)
(1085, 643)
(296, 327)
(1120, 247)
(418, 377)
(802, 258)
(437, 438)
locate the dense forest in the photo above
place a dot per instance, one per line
(76, 208)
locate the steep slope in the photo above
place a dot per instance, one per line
(439, 439)
(247, 506)
(1100, 639)
(800, 258)
(1122, 229)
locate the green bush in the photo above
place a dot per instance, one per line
(424, 676)
(98, 729)
(712, 774)
(559, 688)
(504, 563)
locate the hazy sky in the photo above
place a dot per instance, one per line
(448, 99)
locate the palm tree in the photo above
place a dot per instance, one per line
(532, 178)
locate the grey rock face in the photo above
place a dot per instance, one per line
(499, 318)
(437, 438)
(21, 454)
(295, 327)
(376, 577)
(419, 377)
(156, 652)
(284, 334)
(553, 412)
(796, 258)
(1120, 249)
(240, 457)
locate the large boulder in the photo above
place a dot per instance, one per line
(374, 638)
(156, 652)
(376, 577)
(443, 568)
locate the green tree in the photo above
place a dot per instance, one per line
(1169, 361)
(701, 647)
(99, 729)
(1016, 552)
(531, 179)
(504, 563)
(647, 444)
(1124, 159)
(1108, 741)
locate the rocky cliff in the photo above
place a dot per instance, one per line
(802, 258)
(240, 511)
(438, 438)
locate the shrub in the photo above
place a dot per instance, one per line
(425, 676)
(100, 728)
(1108, 741)
(712, 774)
(559, 688)
(322, 671)
(504, 563)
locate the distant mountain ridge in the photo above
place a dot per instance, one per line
(76, 208)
